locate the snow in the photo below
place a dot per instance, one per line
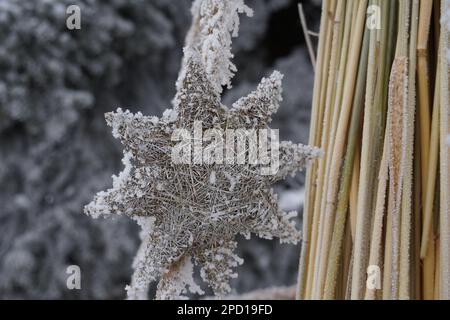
(182, 282)
(120, 180)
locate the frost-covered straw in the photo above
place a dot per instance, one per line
(397, 250)
(191, 212)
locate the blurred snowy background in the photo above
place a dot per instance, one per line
(56, 151)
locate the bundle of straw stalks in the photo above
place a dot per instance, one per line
(377, 208)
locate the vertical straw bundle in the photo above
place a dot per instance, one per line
(377, 212)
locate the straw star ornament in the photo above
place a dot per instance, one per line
(191, 211)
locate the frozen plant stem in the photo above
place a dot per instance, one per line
(311, 174)
(343, 198)
(381, 199)
(444, 208)
(312, 55)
